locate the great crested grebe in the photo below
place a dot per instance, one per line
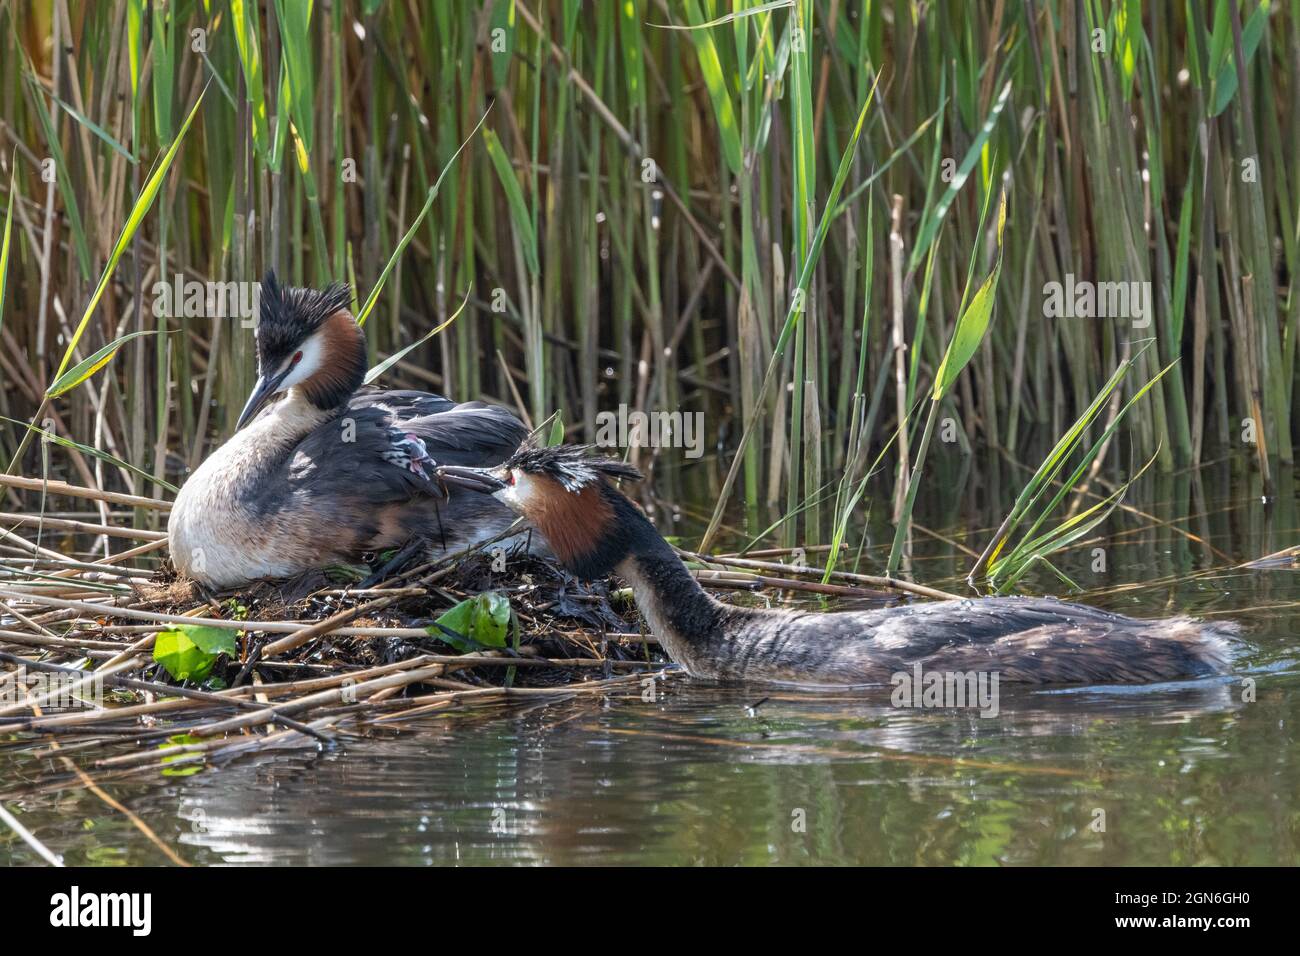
(594, 529)
(332, 470)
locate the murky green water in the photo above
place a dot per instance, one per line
(1187, 773)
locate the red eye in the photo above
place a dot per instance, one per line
(297, 357)
(510, 478)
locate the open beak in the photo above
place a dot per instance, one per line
(474, 479)
(262, 391)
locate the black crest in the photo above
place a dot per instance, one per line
(573, 466)
(288, 315)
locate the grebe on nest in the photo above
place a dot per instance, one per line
(594, 529)
(334, 469)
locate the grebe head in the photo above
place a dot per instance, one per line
(565, 493)
(306, 338)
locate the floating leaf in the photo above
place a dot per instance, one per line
(179, 740)
(480, 621)
(188, 651)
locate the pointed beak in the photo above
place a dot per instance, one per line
(262, 391)
(473, 479)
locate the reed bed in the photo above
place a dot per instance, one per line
(642, 206)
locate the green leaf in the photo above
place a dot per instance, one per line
(63, 178)
(371, 299)
(1003, 570)
(281, 118)
(727, 18)
(1128, 40)
(397, 254)
(557, 430)
(4, 241)
(295, 34)
(716, 82)
(480, 621)
(792, 316)
(138, 212)
(134, 36)
(164, 68)
(904, 149)
(973, 323)
(88, 367)
(1178, 307)
(396, 357)
(94, 128)
(503, 19)
(179, 740)
(91, 451)
(188, 651)
(246, 29)
(934, 220)
(1225, 80)
(519, 215)
(1005, 573)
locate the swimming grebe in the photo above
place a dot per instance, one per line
(594, 529)
(332, 470)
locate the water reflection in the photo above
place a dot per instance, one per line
(695, 780)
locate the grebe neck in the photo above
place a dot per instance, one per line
(288, 421)
(265, 444)
(344, 369)
(688, 622)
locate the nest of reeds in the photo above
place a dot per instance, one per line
(555, 618)
(313, 658)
